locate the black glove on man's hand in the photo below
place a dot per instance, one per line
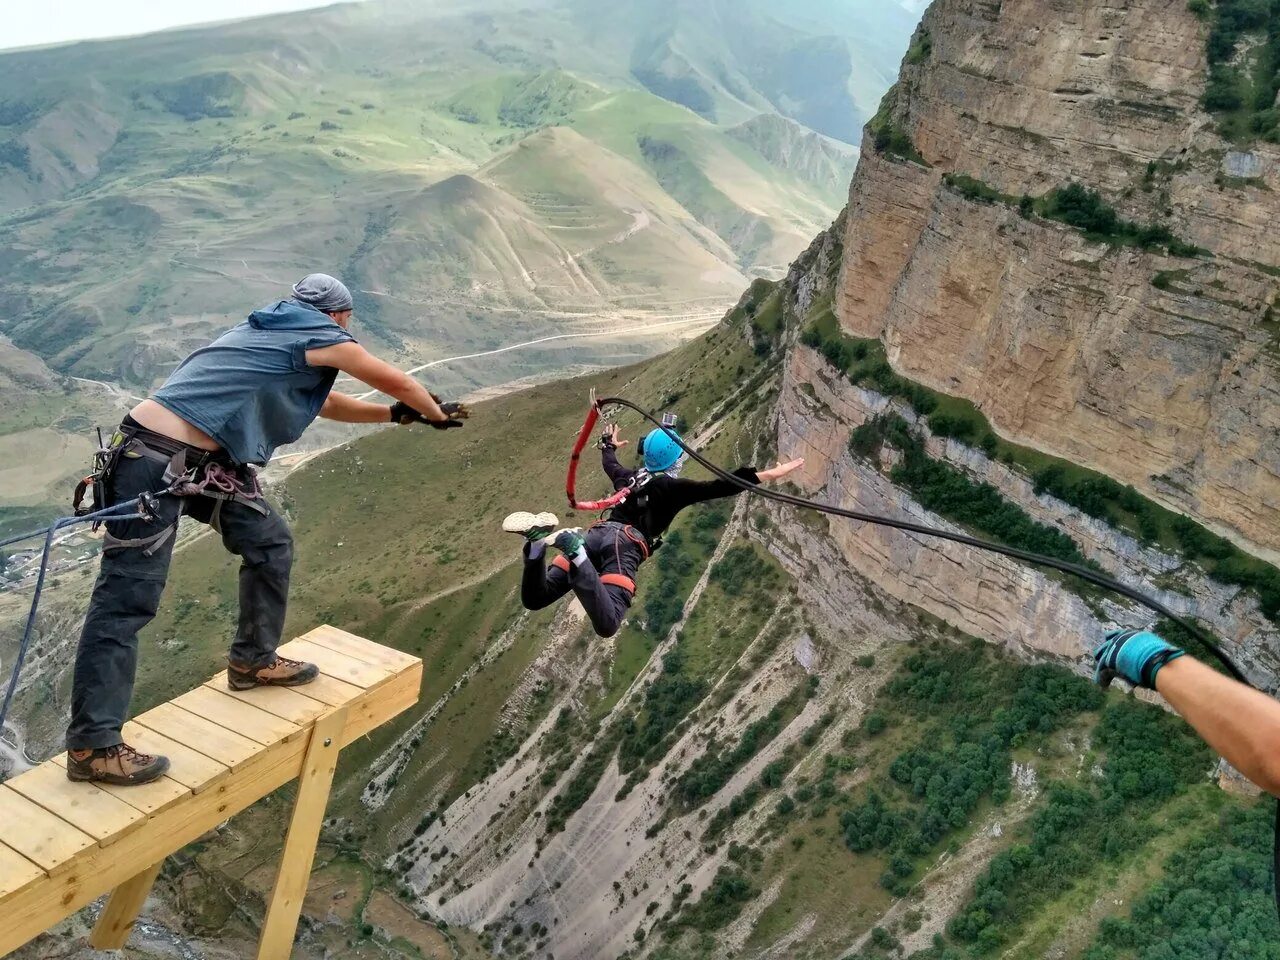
(454, 409)
(404, 414)
(456, 412)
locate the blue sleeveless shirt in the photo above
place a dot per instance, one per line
(252, 389)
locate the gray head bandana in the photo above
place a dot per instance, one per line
(323, 292)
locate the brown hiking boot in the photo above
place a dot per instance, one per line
(282, 673)
(120, 765)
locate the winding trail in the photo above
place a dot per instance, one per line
(707, 321)
(111, 388)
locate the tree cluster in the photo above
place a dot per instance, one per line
(1214, 901)
(1243, 91)
(667, 701)
(1150, 757)
(1086, 210)
(949, 491)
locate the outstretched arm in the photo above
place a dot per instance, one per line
(355, 360)
(345, 409)
(619, 475)
(1240, 723)
(687, 492)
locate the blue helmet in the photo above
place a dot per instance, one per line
(661, 452)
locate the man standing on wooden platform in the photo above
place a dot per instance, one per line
(195, 444)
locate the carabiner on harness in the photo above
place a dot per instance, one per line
(95, 484)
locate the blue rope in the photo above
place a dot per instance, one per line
(114, 512)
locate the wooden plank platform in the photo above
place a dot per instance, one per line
(63, 844)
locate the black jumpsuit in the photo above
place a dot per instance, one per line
(617, 546)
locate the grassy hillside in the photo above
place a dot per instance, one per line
(155, 183)
(850, 807)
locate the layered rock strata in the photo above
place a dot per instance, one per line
(1162, 371)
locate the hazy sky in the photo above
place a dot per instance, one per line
(28, 23)
(25, 23)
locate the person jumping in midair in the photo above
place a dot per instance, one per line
(599, 564)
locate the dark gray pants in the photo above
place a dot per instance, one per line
(131, 580)
(614, 550)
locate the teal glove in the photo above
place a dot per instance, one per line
(1135, 656)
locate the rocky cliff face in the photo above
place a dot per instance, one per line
(1065, 343)
(626, 855)
(987, 595)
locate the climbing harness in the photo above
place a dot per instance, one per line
(215, 481)
(104, 461)
(638, 482)
(1072, 569)
(608, 579)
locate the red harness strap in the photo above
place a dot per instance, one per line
(618, 580)
(636, 537)
(609, 579)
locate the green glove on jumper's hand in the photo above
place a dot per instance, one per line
(1135, 656)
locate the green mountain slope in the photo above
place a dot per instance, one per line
(820, 64)
(482, 174)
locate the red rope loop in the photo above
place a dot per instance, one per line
(571, 481)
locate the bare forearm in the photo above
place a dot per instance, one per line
(418, 397)
(1240, 723)
(346, 409)
(353, 359)
(401, 386)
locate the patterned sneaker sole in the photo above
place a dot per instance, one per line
(526, 523)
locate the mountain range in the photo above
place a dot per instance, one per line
(481, 173)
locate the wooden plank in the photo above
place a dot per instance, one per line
(101, 869)
(16, 872)
(237, 716)
(290, 703)
(147, 797)
(116, 921)
(360, 648)
(200, 734)
(331, 691)
(335, 664)
(46, 840)
(190, 768)
(285, 905)
(380, 705)
(84, 805)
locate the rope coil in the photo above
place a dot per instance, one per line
(138, 507)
